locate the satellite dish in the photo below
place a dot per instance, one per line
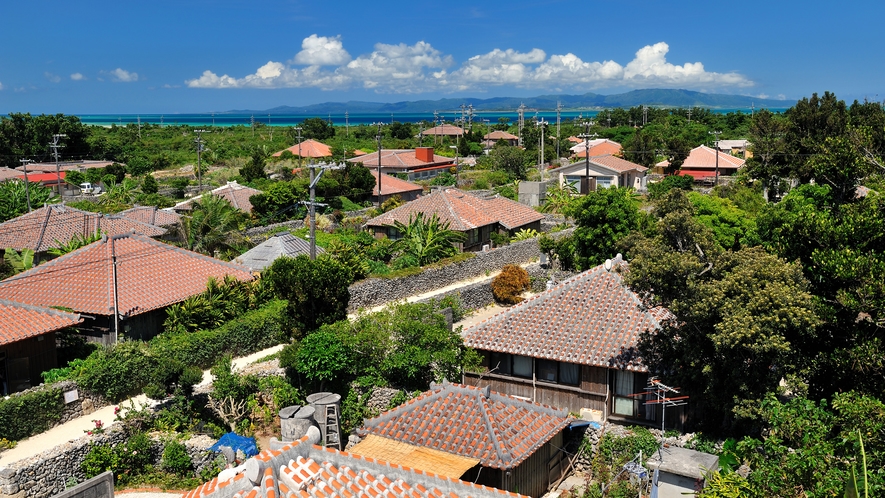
(608, 265)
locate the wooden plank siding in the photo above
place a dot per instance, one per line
(24, 361)
(531, 478)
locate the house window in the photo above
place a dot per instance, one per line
(522, 366)
(574, 181)
(624, 403)
(548, 370)
(393, 233)
(499, 363)
(473, 236)
(570, 373)
(604, 182)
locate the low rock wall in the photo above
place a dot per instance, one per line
(260, 233)
(377, 291)
(84, 404)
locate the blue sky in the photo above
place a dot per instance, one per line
(202, 56)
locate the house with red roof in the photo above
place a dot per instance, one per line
(307, 148)
(304, 469)
(391, 186)
(597, 147)
(483, 436)
(477, 218)
(702, 162)
(56, 224)
(27, 343)
(605, 171)
(444, 130)
(237, 195)
(491, 139)
(152, 215)
(572, 346)
(122, 283)
(417, 164)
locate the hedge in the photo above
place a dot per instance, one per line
(253, 331)
(23, 415)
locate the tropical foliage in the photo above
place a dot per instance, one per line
(426, 240)
(214, 227)
(14, 199)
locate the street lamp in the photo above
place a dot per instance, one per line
(586, 137)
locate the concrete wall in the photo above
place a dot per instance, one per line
(100, 486)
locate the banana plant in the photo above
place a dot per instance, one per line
(19, 261)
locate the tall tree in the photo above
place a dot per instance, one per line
(602, 218)
(213, 227)
(13, 198)
(254, 169)
(317, 129)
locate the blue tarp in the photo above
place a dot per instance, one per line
(236, 442)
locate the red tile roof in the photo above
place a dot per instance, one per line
(237, 195)
(391, 185)
(500, 135)
(598, 147)
(151, 215)
(308, 148)
(21, 321)
(589, 319)
(9, 173)
(65, 166)
(302, 469)
(149, 275)
(498, 430)
(616, 163)
(446, 130)
(399, 159)
(462, 211)
(40, 229)
(704, 157)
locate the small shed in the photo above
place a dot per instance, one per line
(678, 471)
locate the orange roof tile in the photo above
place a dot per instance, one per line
(616, 163)
(445, 130)
(237, 195)
(152, 216)
(704, 157)
(9, 173)
(149, 275)
(40, 229)
(589, 319)
(500, 135)
(308, 148)
(399, 159)
(462, 211)
(21, 321)
(598, 147)
(391, 185)
(498, 430)
(65, 166)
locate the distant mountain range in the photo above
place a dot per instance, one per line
(652, 97)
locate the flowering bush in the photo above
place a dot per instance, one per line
(99, 426)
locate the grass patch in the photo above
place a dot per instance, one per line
(415, 270)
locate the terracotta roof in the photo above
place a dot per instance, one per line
(616, 163)
(21, 321)
(65, 166)
(598, 147)
(589, 319)
(704, 157)
(151, 215)
(500, 135)
(446, 130)
(575, 140)
(149, 275)
(302, 469)
(40, 229)
(498, 430)
(237, 195)
(358, 152)
(308, 148)
(400, 159)
(9, 173)
(391, 185)
(276, 246)
(462, 211)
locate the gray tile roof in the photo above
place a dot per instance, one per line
(277, 245)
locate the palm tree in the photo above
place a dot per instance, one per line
(213, 227)
(559, 197)
(427, 240)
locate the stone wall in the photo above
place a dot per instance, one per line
(376, 291)
(84, 404)
(50, 472)
(260, 233)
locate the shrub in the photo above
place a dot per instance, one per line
(510, 283)
(175, 459)
(31, 413)
(525, 234)
(100, 458)
(657, 190)
(116, 371)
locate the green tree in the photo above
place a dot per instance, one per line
(74, 178)
(19, 261)
(149, 185)
(13, 198)
(426, 240)
(603, 218)
(317, 291)
(254, 169)
(213, 227)
(317, 129)
(511, 160)
(322, 357)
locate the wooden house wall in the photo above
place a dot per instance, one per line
(27, 359)
(532, 477)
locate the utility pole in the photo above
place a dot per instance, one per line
(586, 137)
(521, 111)
(25, 163)
(457, 170)
(252, 124)
(139, 126)
(313, 204)
(378, 137)
(644, 115)
(55, 145)
(558, 138)
(716, 149)
(347, 124)
(298, 131)
(541, 124)
(689, 115)
(199, 142)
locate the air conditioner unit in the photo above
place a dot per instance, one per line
(485, 248)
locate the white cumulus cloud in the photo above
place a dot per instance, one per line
(123, 76)
(321, 51)
(404, 68)
(54, 78)
(77, 77)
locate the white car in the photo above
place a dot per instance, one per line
(90, 189)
